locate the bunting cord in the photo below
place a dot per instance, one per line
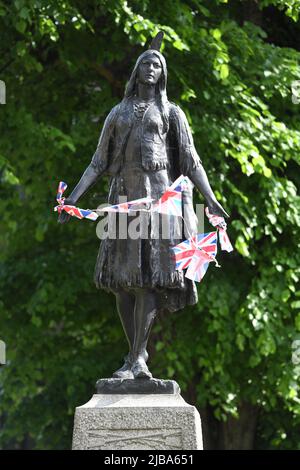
(191, 237)
(217, 221)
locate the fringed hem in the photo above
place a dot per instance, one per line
(170, 279)
(175, 300)
(152, 165)
(169, 299)
(160, 280)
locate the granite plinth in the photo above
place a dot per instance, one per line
(137, 422)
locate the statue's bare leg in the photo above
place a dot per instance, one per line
(144, 314)
(125, 301)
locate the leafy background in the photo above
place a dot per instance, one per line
(231, 67)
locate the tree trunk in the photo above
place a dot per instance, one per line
(251, 12)
(233, 434)
(239, 434)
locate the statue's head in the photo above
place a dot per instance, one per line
(151, 69)
(150, 62)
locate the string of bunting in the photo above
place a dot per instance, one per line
(193, 254)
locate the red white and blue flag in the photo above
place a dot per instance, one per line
(61, 189)
(204, 254)
(195, 254)
(77, 212)
(208, 243)
(198, 266)
(171, 201)
(184, 253)
(220, 223)
(134, 205)
(72, 210)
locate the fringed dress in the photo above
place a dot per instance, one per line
(137, 253)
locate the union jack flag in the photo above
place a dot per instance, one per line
(72, 210)
(77, 212)
(220, 223)
(128, 206)
(208, 242)
(171, 201)
(196, 254)
(204, 254)
(184, 252)
(198, 266)
(61, 189)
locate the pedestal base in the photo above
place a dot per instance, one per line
(136, 387)
(137, 422)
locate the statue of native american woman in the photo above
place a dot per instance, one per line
(144, 146)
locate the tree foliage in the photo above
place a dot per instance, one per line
(65, 64)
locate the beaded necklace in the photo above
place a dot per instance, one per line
(139, 109)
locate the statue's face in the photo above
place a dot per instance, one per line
(149, 70)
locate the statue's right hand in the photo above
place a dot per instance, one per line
(64, 217)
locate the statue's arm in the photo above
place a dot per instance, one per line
(87, 180)
(199, 177)
(96, 168)
(190, 162)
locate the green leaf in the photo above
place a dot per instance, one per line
(21, 26)
(216, 33)
(224, 71)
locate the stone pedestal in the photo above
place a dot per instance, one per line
(137, 421)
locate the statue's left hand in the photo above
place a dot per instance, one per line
(215, 208)
(64, 217)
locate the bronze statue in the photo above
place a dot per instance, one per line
(145, 144)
